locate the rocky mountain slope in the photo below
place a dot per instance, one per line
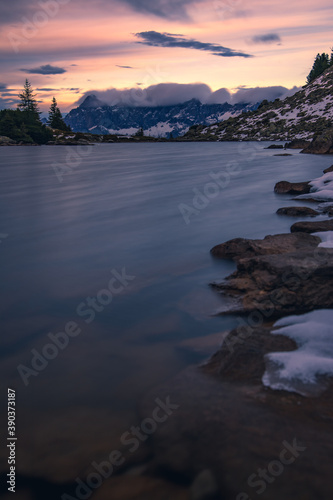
(301, 116)
(93, 116)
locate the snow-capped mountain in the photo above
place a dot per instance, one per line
(301, 116)
(93, 116)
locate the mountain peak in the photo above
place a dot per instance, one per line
(91, 101)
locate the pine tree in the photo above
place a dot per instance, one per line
(28, 100)
(55, 117)
(321, 63)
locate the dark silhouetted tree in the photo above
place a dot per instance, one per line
(55, 117)
(321, 63)
(28, 100)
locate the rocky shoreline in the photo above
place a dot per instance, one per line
(228, 431)
(81, 139)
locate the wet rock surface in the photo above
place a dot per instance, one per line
(284, 283)
(298, 212)
(285, 187)
(312, 227)
(242, 248)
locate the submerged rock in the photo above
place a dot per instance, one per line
(275, 146)
(234, 428)
(329, 169)
(298, 212)
(285, 187)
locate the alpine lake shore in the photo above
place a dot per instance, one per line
(230, 436)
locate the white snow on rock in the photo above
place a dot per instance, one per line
(321, 188)
(326, 239)
(305, 370)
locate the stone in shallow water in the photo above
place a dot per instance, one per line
(297, 212)
(312, 227)
(285, 187)
(241, 248)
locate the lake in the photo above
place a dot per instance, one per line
(105, 268)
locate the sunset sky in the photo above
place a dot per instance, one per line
(67, 48)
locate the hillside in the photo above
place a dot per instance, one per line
(301, 116)
(93, 116)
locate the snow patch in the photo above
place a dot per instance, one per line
(321, 188)
(326, 239)
(306, 369)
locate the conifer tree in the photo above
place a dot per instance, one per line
(55, 117)
(28, 100)
(321, 63)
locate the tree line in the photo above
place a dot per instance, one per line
(321, 63)
(24, 123)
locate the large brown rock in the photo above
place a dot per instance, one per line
(329, 169)
(240, 248)
(321, 144)
(312, 227)
(275, 285)
(285, 187)
(298, 212)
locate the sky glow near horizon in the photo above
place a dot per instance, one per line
(67, 48)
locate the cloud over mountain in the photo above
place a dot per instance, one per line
(167, 94)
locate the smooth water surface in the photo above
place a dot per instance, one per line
(118, 206)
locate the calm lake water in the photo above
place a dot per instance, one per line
(118, 206)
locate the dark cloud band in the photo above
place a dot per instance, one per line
(156, 39)
(46, 69)
(268, 38)
(170, 9)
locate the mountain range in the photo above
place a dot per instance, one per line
(95, 117)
